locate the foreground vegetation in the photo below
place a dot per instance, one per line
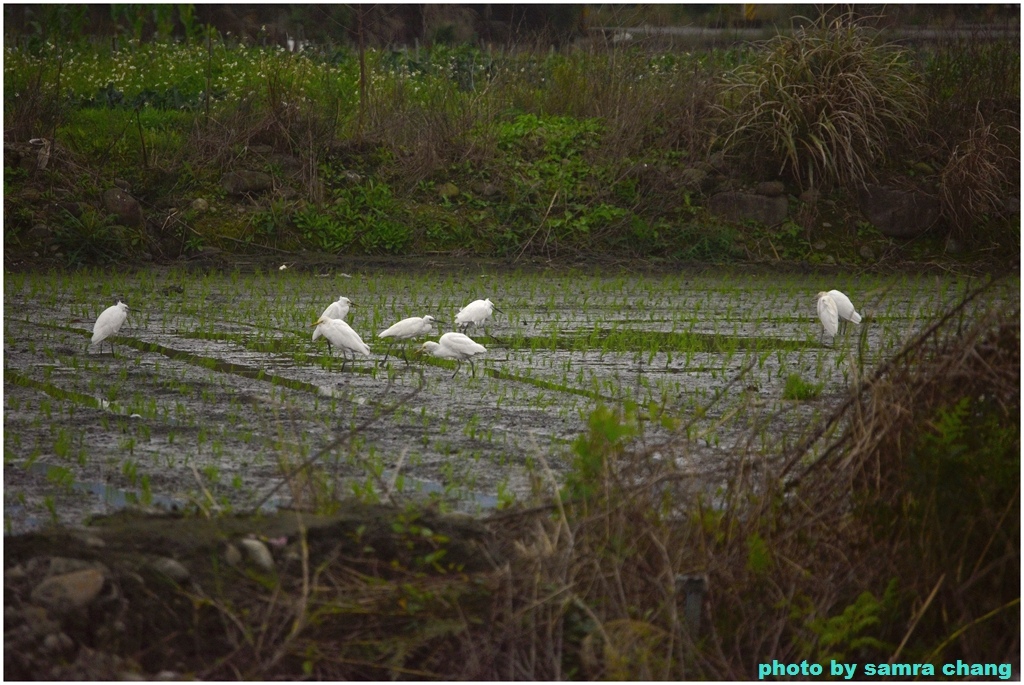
(459, 150)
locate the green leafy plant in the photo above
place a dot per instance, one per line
(841, 636)
(323, 230)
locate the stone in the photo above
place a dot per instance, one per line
(57, 642)
(199, 205)
(896, 212)
(69, 591)
(447, 190)
(486, 189)
(770, 188)
(245, 181)
(125, 207)
(693, 179)
(820, 245)
(351, 177)
(258, 554)
(289, 164)
(810, 196)
(123, 185)
(740, 206)
(867, 253)
(172, 568)
(719, 163)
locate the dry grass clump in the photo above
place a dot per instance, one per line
(973, 183)
(825, 105)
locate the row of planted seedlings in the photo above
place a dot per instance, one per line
(246, 382)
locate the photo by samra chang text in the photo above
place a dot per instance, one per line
(780, 670)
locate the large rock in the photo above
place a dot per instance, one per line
(125, 207)
(898, 213)
(69, 591)
(244, 181)
(740, 206)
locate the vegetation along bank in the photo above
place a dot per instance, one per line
(825, 144)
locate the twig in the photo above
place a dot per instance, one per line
(961, 631)
(539, 226)
(917, 618)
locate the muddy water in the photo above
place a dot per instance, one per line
(215, 389)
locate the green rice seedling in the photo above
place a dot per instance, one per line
(799, 389)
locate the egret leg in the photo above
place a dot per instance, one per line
(458, 365)
(387, 353)
(405, 357)
(472, 367)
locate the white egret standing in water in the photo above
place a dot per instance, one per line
(341, 334)
(844, 307)
(108, 323)
(406, 329)
(828, 313)
(475, 313)
(455, 346)
(335, 310)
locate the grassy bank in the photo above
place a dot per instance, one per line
(517, 155)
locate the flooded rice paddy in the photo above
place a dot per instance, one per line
(215, 389)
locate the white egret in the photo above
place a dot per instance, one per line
(335, 310)
(406, 329)
(341, 334)
(475, 313)
(455, 346)
(828, 313)
(108, 323)
(844, 307)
